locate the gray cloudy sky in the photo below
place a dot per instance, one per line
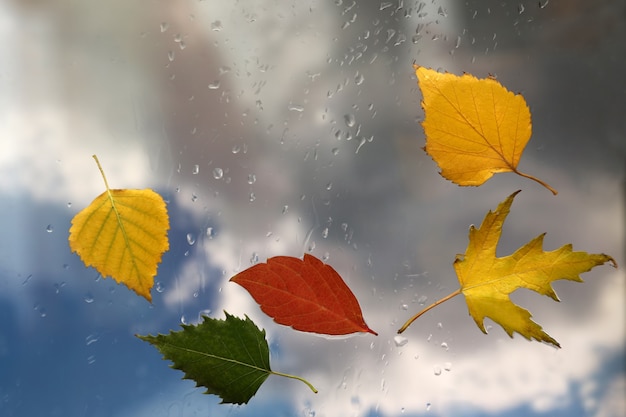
(278, 128)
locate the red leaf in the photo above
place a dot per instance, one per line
(307, 295)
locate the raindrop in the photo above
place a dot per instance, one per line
(329, 186)
(183, 320)
(252, 197)
(437, 370)
(404, 306)
(428, 405)
(171, 55)
(88, 298)
(210, 233)
(422, 300)
(191, 239)
(296, 107)
(335, 151)
(164, 26)
(359, 78)
(447, 366)
(442, 12)
(196, 169)
(57, 287)
(325, 233)
(194, 197)
(214, 85)
(385, 5)
(416, 38)
(312, 246)
(543, 3)
(159, 287)
(254, 258)
(400, 340)
(69, 204)
(49, 228)
(91, 359)
(218, 173)
(216, 26)
(444, 345)
(251, 179)
(520, 8)
(92, 338)
(349, 119)
(285, 209)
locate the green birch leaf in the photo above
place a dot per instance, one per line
(230, 358)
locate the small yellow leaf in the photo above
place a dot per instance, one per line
(474, 127)
(123, 234)
(487, 281)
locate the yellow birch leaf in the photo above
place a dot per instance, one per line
(474, 127)
(487, 281)
(123, 234)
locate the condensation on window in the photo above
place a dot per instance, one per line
(284, 128)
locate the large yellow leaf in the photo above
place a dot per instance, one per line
(474, 127)
(487, 281)
(123, 234)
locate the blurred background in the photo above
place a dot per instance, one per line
(283, 128)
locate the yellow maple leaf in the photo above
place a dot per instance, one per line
(474, 127)
(487, 281)
(123, 234)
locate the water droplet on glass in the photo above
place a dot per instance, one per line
(171, 55)
(447, 366)
(400, 340)
(216, 26)
(252, 197)
(196, 170)
(91, 359)
(214, 85)
(285, 209)
(69, 204)
(49, 228)
(543, 3)
(183, 320)
(296, 107)
(218, 173)
(359, 78)
(428, 405)
(442, 12)
(159, 287)
(164, 26)
(422, 300)
(92, 338)
(325, 233)
(335, 151)
(520, 8)
(437, 370)
(439, 325)
(385, 5)
(329, 186)
(251, 179)
(349, 119)
(210, 233)
(404, 306)
(191, 239)
(88, 298)
(444, 345)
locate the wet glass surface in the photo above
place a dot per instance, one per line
(284, 128)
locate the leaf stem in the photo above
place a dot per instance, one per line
(106, 183)
(552, 190)
(436, 303)
(296, 377)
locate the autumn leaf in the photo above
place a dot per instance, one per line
(230, 358)
(307, 295)
(474, 127)
(123, 234)
(486, 281)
